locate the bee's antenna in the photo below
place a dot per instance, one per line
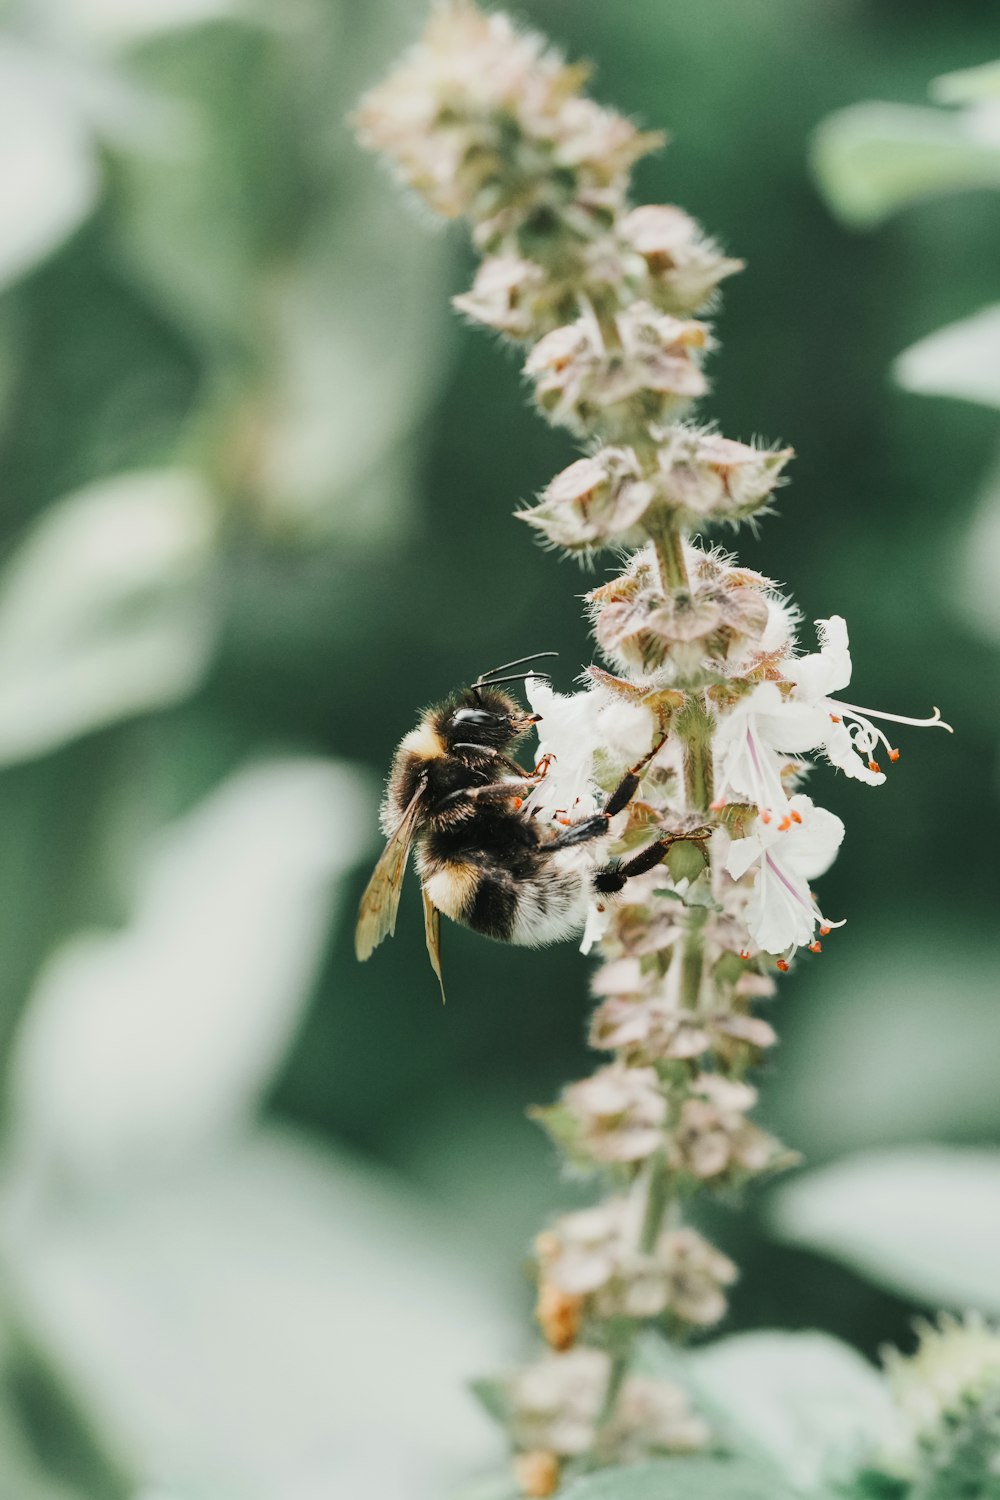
(496, 681)
(519, 661)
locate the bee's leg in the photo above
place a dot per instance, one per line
(581, 833)
(629, 784)
(596, 826)
(496, 755)
(613, 877)
(493, 791)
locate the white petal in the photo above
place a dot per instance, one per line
(569, 732)
(775, 919)
(742, 854)
(841, 752)
(828, 670)
(795, 727)
(810, 847)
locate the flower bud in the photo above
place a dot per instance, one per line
(556, 1408)
(702, 476)
(595, 502)
(592, 1257)
(716, 620)
(714, 1139)
(537, 1473)
(683, 267)
(620, 1112)
(559, 1314)
(486, 121)
(644, 375)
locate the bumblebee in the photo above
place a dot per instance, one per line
(455, 795)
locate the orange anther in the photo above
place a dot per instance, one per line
(518, 803)
(765, 816)
(744, 953)
(785, 823)
(824, 932)
(717, 805)
(873, 765)
(816, 947)
(796, 817)
(834, 719)
(893, 755)
(783, 965)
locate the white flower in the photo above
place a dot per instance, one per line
(785, 856)
(752, 736)
(748, 738)
(569, 733)
(849, 738)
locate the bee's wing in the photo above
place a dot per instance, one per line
(432, 932)
(380, 902)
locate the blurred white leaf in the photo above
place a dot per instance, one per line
(806, 1401)
(105, 609)
(49, 173)
(968, 84)
(122, 22)
(277, 1322)
(872, 159)
(976, 594)
(847, 1083)
(355, 369)
(961, 360)
(921, 1220)
(140, 1046)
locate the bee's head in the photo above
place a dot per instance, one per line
(483, 718)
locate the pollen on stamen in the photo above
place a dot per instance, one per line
(816, 947)
(786, 823)
(893, 755)
(765, 816)
(518, 803)
(835, 719)
(783, 965)
(796, 816)
(744, 953)
(824, 931)
(873, 765)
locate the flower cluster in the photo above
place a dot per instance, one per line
(705, 695)
(947, 1396)
(589, 1266)
(556, 1414)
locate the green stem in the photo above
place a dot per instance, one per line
(694, 725)
(692, 962)
(657, 1201)
(669, 544)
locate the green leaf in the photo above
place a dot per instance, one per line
(105, 609)
(806, 1402)
(961, 360)
(871, 160)
(700, 1478)
(921, 1220)
(493, 1397)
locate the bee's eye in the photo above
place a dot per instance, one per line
(476, 716)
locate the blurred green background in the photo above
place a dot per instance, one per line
(259, 484)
